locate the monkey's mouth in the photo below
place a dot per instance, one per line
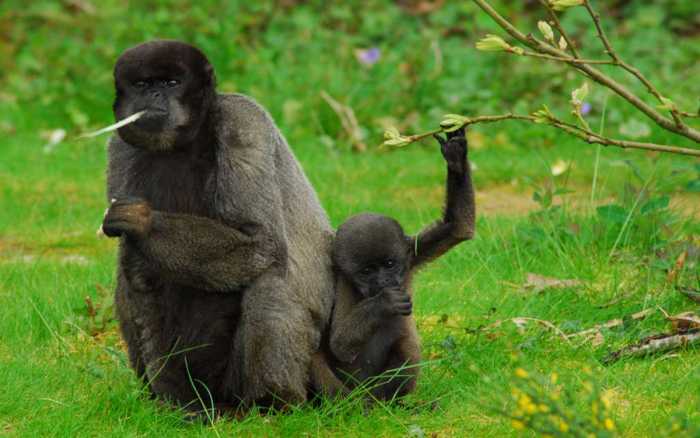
(152, 118)
(154, 112)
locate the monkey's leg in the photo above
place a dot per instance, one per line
(402, 369)
(273, 345)
(323, 379)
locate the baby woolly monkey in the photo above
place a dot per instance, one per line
(373, 338)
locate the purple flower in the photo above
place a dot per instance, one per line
(585, 108)
(368, 57)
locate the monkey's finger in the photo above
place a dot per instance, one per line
(115, 228)
(129, 200)
(440, 140)
(404, 309)
(457, 133)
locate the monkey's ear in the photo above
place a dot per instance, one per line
(411, 245)
(211, 76)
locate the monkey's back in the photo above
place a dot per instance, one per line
(306, 226)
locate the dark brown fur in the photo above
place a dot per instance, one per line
(372, 339)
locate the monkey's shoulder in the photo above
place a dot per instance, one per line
(243, 122)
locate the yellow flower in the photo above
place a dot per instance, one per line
(521, 373)
(609, 424)
(553, 378)
(543, 408)
(563, 426)
(518, 425)
(524, 401)
(492, 43)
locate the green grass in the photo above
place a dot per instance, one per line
(64, 373)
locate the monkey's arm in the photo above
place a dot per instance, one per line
(457, 224)
(191, 250)
(354, 322)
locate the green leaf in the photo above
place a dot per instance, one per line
(655, 204)
(693, 186)
(613, 213)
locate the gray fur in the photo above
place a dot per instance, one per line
(231, 280)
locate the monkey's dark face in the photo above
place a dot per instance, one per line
(373, 253)
(173, 83)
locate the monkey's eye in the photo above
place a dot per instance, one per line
(172, 83)
(366, 270)
(140, 84)
(389, 263)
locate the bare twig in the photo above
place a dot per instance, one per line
(568, 59)
(347, 120)
(601, 34)
(617, 60)
(593, 73)
(612, 323)
(656, 344)
(582, 133)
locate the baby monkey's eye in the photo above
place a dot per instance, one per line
(140, 84)
(366, 270)
(389, 263)
(172, 83)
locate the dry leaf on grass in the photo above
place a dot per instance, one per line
(684, 322)
(537, 283)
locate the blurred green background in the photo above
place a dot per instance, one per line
(616, 220)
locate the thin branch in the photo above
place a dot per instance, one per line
(617, 60)
(593, 73)
(585, 134)
(601, 34)
(568, 59)
(560, 28)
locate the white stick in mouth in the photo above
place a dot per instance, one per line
(123, 122)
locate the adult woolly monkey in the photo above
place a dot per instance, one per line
(224, 278)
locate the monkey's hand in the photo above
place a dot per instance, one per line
(454, 150)
(129, 216)
(394, 302)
